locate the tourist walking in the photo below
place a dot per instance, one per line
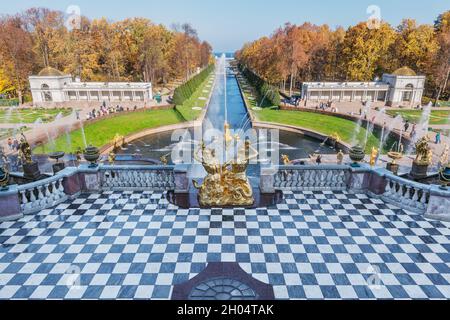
(438, 138)
(406, 125)
(10, 144)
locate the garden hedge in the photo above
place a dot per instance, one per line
(265, 90)
(186, 90)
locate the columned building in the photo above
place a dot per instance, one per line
(402, 88)
(51, 87)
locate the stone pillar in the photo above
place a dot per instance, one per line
(181, 178)
(267, 179)
(10, 204)
(90, 178)
(359, 178)
(439, 204)
(73, 182)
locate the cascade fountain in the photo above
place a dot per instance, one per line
(364, 114)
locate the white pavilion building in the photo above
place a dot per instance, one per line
(401, 88)
(52, 87)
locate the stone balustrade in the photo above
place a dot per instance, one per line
(312, 178)
(157, 178)
(406, 193)
(42, 194)
(31, 198)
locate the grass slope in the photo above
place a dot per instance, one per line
(102, 132)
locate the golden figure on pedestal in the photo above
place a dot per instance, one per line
(424, 152)
(373, 156)
(286, 160)
(25, 151)
(226, 184)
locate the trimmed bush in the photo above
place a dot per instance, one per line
(265, 90)
(187, 89)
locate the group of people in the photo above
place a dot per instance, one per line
(104, 111)
(327, 106)
(407, 125)
(13, 144)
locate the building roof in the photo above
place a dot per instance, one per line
(346, 85)
(405, 71)
(107, 85)
(50, 72)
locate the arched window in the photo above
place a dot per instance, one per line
(408, 93)
(47, 95)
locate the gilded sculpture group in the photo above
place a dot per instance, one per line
(226, 184)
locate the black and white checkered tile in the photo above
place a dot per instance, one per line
(314, 245)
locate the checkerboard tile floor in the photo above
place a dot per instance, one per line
(315, 245)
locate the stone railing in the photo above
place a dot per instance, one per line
(158, 178)
(406, 193)
(67, 184)
(311, 178)
(31, 198)
(415, 197)
(43, 194)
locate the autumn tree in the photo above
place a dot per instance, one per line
(441, 71)
(16, 58)
(48, 34)
(364, 48)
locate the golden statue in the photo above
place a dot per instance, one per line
(424, 153)
(286, 160)
(336, 137)
(373, 156)
(111, 157)
(118, 142)
(164, 160)
(25, 151)
(340, 157)
(225, 184)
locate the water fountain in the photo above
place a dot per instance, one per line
(421, 127)
(364, 114)
(50, 140)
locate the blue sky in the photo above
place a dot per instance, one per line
(228, 24)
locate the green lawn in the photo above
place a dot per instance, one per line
(194, 101)
(437, 117)
(6, 133)
(324, 124)
(30, 115)
(102, 132)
